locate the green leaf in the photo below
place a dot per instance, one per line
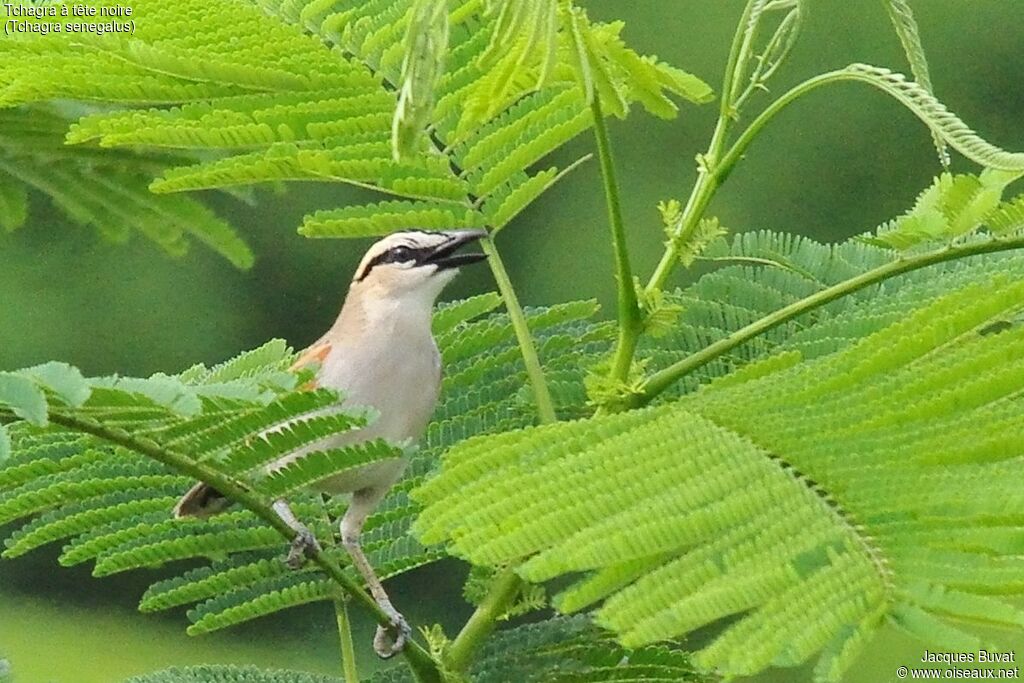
(320, 465)
(5, 444)
(385, 217)
(107, 191)
(751, 518)
(708, 230)
(283, 592)
(567, 650)
(450, 314)
(935, 115)
(23, 397)
(426, 43)
(646, 78)
(953, 207)
(1008, 217)
(62, 379)
(903, 21)
(111, 504)
(221, 673)
(317, 93)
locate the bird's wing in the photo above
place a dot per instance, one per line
(315, 354)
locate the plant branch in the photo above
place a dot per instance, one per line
(505, 588)
(483, 620)
(349, 667)
(661, 380)
(707, 177)
(421, 663)
(541, 394)
(630, 322)
(508, 585)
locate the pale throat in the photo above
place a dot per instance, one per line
(409, 315)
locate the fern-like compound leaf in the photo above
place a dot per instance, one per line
(385, 217)
(230, 674)
(271, 595)
(902, 17)
(327, 92)
(426, 44)
(1007, 218)
(320, 465)
(107, 192)
(953, 207)
(111, 506)
(765, 511)
(936, 116)
(568, 650)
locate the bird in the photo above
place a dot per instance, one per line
(380, 354)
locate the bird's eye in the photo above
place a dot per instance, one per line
(401, 255)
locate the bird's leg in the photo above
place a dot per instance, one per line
(386, 642)
(304, 542)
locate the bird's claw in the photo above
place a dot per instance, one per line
(390, 640)
(303, 545)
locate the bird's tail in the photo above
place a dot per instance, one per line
(202, 500)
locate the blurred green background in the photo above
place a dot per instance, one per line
(835, 164)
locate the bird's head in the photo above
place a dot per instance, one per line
(415, 264)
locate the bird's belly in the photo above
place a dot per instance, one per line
(403, 393)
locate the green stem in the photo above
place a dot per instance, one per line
(717, 167)
(707, 179)
(541, 394)
(703, 190)
(739, 55)
(661, 380)
(349, 667)
(505, 588)
(630, 321)
(419, 660)
(348, 650)
(739, 148)
(484, 620)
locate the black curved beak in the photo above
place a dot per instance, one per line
(444, 256)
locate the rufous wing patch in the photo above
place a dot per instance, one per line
(317, 353)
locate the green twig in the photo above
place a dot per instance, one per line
(349, 667)
(484, 620)
(541, 394)
(707, 178)
(661, 380)
(348, 650)
(421, 663)
(630, 322)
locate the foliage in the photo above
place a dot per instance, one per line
(265, 102)
(559, 650)
(112, 505)
(731, 502)
(567, 650)
(807, 442)
(229, 674)
(903, 21)
(105, 190)
(952, 208)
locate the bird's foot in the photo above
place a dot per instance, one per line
(390, 640)
(303, 545)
